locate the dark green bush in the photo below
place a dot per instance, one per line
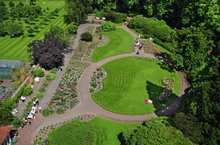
(87, 37)
(116, 17)
(39, 72)
(27, 90)
(100, 14)
(108, 27)
(51, 76)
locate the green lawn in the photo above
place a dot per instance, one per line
(105, 132)
(16, 48)
(126, 86)
(120, 42)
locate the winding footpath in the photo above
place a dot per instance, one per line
(86, 105)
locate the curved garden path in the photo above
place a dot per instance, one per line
(86, 105)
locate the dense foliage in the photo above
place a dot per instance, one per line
(86, 37)
(77, 11)
(116, 17)
(49, 52)
(6, 107)
(27, 90)
(157, 29)
(72, 29)
(153, 132)
(108, 27)
(39, 72)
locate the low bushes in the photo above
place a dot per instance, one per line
(47, 112)
(51, 75)
(39, 72)
(39, 95)
(116, 17)
(72, 29)
(27, 90)
(86, 37)
(108, 27)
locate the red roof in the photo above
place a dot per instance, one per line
(4, 131)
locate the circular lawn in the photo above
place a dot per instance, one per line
(130, 80)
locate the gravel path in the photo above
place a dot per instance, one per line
(86, 105)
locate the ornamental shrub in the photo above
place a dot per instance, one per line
(72, 29)
(51, 76)
(116, 17)
(86, 37)
(39, 95)
(27, 90)
(108, 27)
(39, 72)
(47, 112)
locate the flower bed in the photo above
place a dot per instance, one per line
(168, 84)
(66, 95)
(96, 81)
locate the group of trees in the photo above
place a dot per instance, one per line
(77, 11)
(154, 132)
(10, 19)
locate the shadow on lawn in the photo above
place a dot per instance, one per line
(162, 108)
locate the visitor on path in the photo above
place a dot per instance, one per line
(23, 99)
(137, 52)
(126, 23)
(37, 102)
(39, 109)
(29, 121)
(61, 68)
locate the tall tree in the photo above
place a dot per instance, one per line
(49, 52)
(77, 11)
(155, 131)
(203, 100)
(3, 11)
(192, 49)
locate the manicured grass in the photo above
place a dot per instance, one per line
(130, 80)
(119, 42)
(105, 132)
(16, 48)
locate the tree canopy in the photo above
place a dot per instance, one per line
(153, 132)
(49, 52)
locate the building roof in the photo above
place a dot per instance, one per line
(4, 131)
(11, 63)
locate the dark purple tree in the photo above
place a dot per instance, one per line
(49, 52)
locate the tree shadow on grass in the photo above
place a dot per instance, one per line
(162, 107)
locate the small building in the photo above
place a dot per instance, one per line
(6, 67)
(5, 137)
